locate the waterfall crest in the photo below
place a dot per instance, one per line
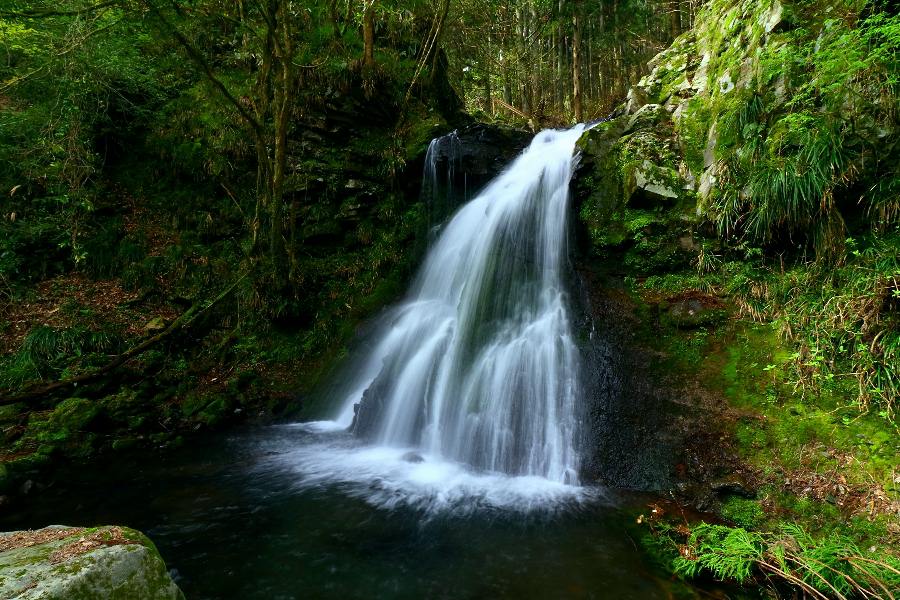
(479, 364)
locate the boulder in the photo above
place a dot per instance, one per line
(74, 563)
(655, 182)
(413, 457)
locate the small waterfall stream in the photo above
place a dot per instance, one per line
(479, 364)
(442, 163)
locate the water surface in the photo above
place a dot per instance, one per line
(236, 517)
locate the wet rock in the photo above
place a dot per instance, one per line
(732, 487)
(65, 563)
(484, 150)
(367, 411)
(413, 457)
(467, 159)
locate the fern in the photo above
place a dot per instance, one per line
(822, 568)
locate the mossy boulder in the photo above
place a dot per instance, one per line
(634, 202)
(67, 563)
(74, 414)
(67, 427)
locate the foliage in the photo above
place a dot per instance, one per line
(803, 147)
(74, 89)
(46, 352)
(844, 321)
(828, 567)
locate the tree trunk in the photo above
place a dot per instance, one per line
(369, 34)
(488, 104)
(675, 19)
(284, 88)
(576, 64)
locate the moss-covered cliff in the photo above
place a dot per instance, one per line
(753, 173)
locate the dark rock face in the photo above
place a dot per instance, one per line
(464, 161)
(485, 150)
(367, 411)
(646, 429)
(631, 440)
(413, 457)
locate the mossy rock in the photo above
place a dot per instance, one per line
(216, 411)
(64, 563)
(743, 512)
(694, 312)
(635, 204)
(74, 414)
(208, 409)
(67, 425)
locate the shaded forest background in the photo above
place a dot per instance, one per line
(174, 145)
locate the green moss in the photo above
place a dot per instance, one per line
(115, 571)
(742, 512)
(219, 409)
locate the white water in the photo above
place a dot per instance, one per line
(477, 370)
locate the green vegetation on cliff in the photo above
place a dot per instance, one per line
(770, 192)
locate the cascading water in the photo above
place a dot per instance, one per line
(479, 365)
(442, 163)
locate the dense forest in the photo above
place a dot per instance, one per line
(206, 205)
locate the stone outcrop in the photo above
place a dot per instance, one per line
(73, 563)
(648, 176)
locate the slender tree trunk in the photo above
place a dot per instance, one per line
(488, 104)
(369, 34)
(507, 86)
(576, 64)
(284, 90)
(675, 19)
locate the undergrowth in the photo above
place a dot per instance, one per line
(844, 322)
(825, 567)
(48, 352)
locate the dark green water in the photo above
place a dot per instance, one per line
(231, 522)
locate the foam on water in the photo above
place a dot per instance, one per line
(389, 477)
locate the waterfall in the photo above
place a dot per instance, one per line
(442, 163)
(479, 365)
